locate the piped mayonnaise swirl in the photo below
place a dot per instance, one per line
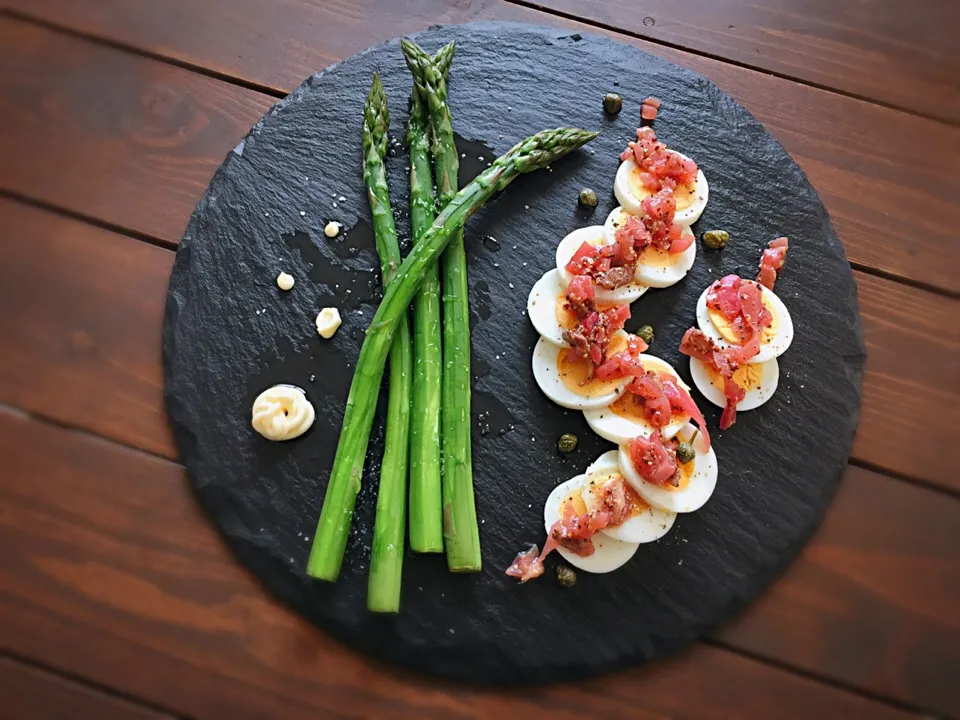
(282, 412)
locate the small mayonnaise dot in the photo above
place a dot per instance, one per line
(332, 229)
(327, 322)
(285, 281)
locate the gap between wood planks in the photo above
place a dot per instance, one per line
(275, 92)
(816, 677)
(738, 63)
(280, 93)
(724, 646)
(93, 434)
(167, 245)
(107, 699)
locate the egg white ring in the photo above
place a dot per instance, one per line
(687, 216)
(646, 274)
(546, 374)
(568, 248)
(607, 463)
(754, 397)
(768, 351)
(609, 553)
(647, 526)
(618, 429)
(542, 307)
(662, 277)
(613, 222)
(691, 498)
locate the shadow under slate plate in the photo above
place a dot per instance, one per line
(229, 333)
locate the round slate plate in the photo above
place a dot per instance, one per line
(229, 333)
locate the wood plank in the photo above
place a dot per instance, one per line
(877, 49)
(86, 350)
(866, 49)
(96, 131)
(80, 337)
(893, 202)
(110, 572)
(31, 694)
(873, 599)
(913, 359)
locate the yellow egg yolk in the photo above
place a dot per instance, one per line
(684, 474)
(576, 373)
(635, 503)
(746, 376)
(656, 258)
(630, 407)
(685, 195)
(565, 319)
(725, 327)
(576, 500)
(568, 320)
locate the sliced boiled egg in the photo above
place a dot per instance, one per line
(545, 308)
(609, 553)
(565, 380)
(759, 381)
(698, 478)
(656, 268)
(774, 340)
(595, 236)
(631, 192)
(643, 523)
(623, 419)
(608, 462)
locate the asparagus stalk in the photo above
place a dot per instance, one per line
(330, 540)
(460, 528)
(386, 559)
(426, 519)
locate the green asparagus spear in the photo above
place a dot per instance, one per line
(426, 518)
(460, 529)
(386, 558)
(444, 58)
(330, 540)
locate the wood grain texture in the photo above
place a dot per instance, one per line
(107, 135)
(913, 359)
(32, 694)
(876, 49)
(80, 340)
(86, 351)
(872, 599)
(893, 202)
(109, 571)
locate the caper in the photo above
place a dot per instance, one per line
(645, 333)
(685, 452)
(587, 198)
(716, 239)
(566, 576)
(612, 103)
(567, 443)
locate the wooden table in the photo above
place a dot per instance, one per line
(120, 601)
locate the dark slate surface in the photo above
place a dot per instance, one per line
(229, 333)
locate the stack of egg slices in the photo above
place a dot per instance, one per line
(652, 508)
(609, 410)
(760, 375)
